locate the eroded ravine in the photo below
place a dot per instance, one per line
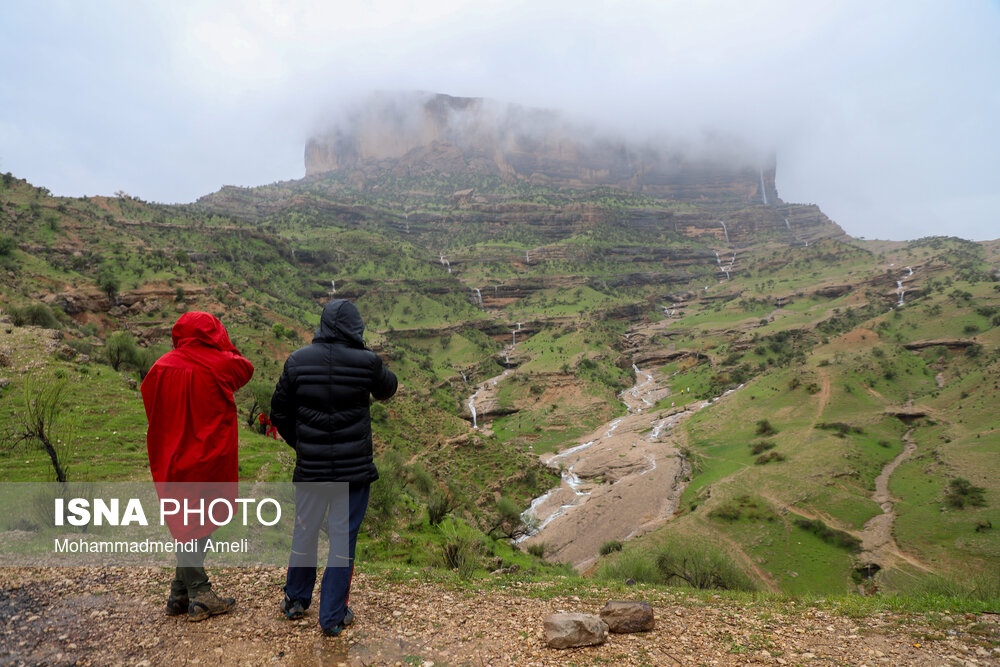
(878, 547)
(623, 480)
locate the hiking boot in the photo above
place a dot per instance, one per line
(293, 610)
(334, 631)
(207, 604)
(348, 618)
(177, 604)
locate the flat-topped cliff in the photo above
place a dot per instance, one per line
(411, 133)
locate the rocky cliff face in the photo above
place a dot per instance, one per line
(416, 132)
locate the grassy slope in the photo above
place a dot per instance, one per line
(812, 359)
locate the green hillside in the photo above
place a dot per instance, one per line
(543, 289)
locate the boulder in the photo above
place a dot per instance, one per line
(572, 630)
(628, 616)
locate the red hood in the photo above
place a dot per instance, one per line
(202, 327)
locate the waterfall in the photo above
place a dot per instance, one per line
(527, 257)
(724, 229)
(513, 337)
(479, 297)
(445, 263)
(787, 224)
(333, 287)
(518, 326)
(472, 409)
(406, 219)
(763, 190)
(910, 271)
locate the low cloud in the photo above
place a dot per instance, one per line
(881, 113)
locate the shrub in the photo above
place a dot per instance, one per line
(108, 281)
(610, 547)
(537, 549)
(37, 314)
(701, 567)
(837, 538)
(385, 495)
(765, 428)
(767, 458)
(120, 349)
(735, 509)
(961, 492)
(840, 429)
(422, 480)
(460, 548)
(762, 446)
(7, 245)
(438, 505)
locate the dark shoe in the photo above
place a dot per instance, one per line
(177, 605)
(292, 609)
(207, 604)
(348, 618)
(334, 631)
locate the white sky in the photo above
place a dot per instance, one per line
(886, 114)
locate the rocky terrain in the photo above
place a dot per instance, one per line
(67, 616)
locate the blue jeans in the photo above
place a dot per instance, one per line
(314, 506)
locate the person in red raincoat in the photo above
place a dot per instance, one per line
(192, 443)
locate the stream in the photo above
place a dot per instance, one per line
(625, 479)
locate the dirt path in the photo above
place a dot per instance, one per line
(824, 393)
(113, 616)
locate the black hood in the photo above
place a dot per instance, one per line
(340, 322)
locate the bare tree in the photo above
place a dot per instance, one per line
(36, 422)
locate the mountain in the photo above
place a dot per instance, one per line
(687, 363)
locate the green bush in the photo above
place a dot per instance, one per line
(385, 495)
(762, 446)
(439, 504)
(735, 509)
(837, 538)
(840, 429)
(764, 459)
(37, 314)
(7, 245)
(765, 428)
(120, 349)
(460, 548)
(610, 547)
(538, 549)
(961, 492)
(108, 281)
(679, 563)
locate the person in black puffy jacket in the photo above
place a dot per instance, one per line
(320, 407)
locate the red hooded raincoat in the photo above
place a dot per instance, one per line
(188, 395)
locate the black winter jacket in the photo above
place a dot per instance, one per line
(320, 405)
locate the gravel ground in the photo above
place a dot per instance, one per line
(63, 616)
